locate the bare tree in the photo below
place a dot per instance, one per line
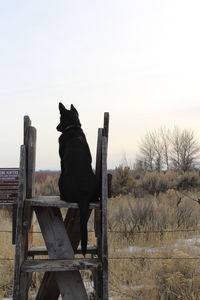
(175, 157)
(165, 137)
(158, 150)
(147, 151)
(164, 149)
(185, 149)
(151, 148)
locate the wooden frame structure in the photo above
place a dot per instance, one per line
(61, 235)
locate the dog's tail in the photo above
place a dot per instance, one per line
(84, 214)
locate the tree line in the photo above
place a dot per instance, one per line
(165, 149)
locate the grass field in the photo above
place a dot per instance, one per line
(161, 267)
(154, 245)
(6, 251)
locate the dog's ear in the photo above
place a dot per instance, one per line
(73, 109)
(61, 108)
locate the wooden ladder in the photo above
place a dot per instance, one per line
(61, 235)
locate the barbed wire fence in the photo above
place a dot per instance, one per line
(132, 258)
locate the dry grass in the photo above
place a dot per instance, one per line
(147, 275)
(6, 251)
(155, 279)
(47, 183)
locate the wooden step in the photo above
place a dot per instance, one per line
(54, 201)
(52, 265)
(34, 251)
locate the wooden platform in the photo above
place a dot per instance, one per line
(54, 201)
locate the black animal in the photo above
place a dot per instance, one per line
(77, 182)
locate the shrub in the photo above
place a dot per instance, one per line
(122, 181)
(178, 280)
(188, 180)
(128, 213)
(154, 183)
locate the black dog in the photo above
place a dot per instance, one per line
(77, 182)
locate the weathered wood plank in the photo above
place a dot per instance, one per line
(56, 265)
(59, 247)
(54, 201)
(30, 143)
(24, 212)
(98, 173)
(21, 279)
(48, 289)
(31, 152)
(104, 222)
(34, 251)
(27, 124)
(98, 159)
(106, 124)
(101, 275)
(54, 233)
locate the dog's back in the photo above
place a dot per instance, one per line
(77, 182)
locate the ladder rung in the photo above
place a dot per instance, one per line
(55, 265)
(37, 251)
(33, 251)
(54, 201)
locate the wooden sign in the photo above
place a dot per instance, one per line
(9, 181)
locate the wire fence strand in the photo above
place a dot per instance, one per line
(151, 258)
(127, 232)
(133, 258)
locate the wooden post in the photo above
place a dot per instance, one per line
(98, 173)
(31, 153)
(104, 245)
(101, 275)
(27, 124)
(30, 189)
(20, 279)
(29, 140)
(24, 212)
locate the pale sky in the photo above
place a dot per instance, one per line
(138, 60)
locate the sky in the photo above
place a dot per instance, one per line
(137, 60)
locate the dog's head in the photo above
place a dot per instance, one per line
(67, 117)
